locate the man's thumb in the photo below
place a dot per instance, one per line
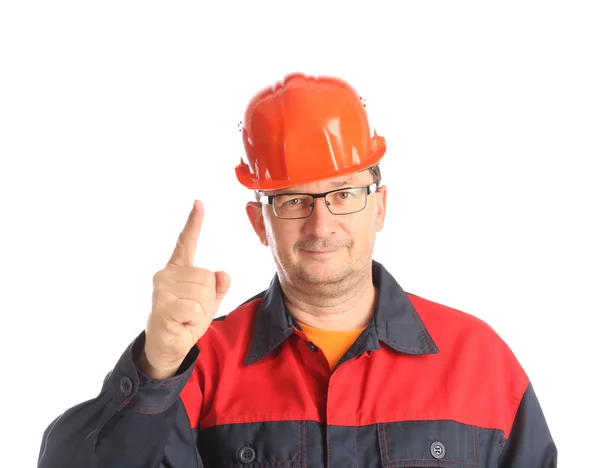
(223, 281)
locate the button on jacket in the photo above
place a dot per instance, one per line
(424, 385)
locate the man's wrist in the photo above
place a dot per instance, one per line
(149, 370)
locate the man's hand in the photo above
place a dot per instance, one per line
(184, 302)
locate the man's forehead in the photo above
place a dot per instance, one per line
(335, 182)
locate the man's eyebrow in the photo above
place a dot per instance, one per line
(343, 183)
(338, 184)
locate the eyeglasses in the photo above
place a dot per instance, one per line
(300, 205)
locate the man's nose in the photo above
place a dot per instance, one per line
(321, 221)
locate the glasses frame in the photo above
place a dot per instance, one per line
(268, 199)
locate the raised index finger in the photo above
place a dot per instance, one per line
(185, 250)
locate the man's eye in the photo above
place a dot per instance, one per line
(345, 195)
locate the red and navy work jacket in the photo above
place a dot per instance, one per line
(424, 385)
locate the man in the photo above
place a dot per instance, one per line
(334, 365)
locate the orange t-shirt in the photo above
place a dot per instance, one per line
(334, 344)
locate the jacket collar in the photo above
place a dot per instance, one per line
(395, 322)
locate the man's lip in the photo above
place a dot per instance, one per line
(321, 251)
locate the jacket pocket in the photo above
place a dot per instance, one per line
(251, 445)
(440, 443)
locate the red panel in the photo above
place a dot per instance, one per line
(474, 379)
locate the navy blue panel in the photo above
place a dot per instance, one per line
(276, 444)
(353, 447)
(529, 444)
(312, 445)
(129, 424)
(181, 450)
(431, 443)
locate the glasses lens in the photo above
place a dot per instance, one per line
(292, 206)
(347, 200)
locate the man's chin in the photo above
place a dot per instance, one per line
(322, 273)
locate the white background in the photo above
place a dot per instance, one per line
(114, 116)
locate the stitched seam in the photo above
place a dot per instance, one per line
(157, 384)
(477, 431)
(126, 402)
(474, 447)
(244, 418)
(175, 380)
(400, 347)
(275, 463)
(423, 335)
(428, 459)
(299, 460)
(150, 409)
(380, 441)
(264, 350)
(387, 452)
(428, 463)
(303, 455)
(356, 444)
(328, 448)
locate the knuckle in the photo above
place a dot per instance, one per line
(211, 279)
(183, 310)
(204, 277)
(193, 307)
(159, 277)
(156, 278)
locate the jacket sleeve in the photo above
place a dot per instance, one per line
(134, 422)
(529, 444)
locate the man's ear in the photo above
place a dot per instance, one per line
(255, 215)
(381, 197)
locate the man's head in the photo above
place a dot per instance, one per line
(323, 245)
(309, 137)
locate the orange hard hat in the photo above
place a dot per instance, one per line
(306, 129)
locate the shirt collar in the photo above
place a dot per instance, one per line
(395, 321)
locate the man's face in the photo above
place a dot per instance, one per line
(324, 252)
